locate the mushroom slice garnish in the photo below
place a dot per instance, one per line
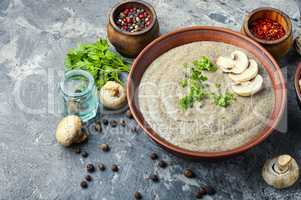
(249, 88)
(225, 63)
(248, 74)
(241, 62)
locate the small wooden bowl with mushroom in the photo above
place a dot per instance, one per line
(297, 81)
(271, 28)
(132, 25)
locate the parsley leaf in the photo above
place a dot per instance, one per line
(223, 100)
(204, 64)
(96, 58)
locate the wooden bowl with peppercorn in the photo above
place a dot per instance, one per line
(132, 25)
(271, 28)
(297, 83)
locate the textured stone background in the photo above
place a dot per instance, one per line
(34, 37)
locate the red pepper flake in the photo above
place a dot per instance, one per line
(267, 29)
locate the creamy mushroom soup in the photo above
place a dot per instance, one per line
(205, 126)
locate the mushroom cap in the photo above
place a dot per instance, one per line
(249, 88)
(241, 62)
(225, 63)
(280, 172)
(69, 131)
(113, 95)
(248, 74)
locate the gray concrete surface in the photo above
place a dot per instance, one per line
(34, 37)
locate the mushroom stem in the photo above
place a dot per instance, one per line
(283, 163)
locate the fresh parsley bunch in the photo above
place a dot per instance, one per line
(99, 60)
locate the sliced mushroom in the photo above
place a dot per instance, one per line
(281, 172)
(241, 62)
(113, 95)
(248, 74)
(225, 63)
(249, 88)
(69, 131)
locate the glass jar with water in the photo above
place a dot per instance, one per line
(80, 94)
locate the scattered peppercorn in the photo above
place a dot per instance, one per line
(85, 154)
(101, 167)
(113, 123)
(133, 19)
(162, 164)
(135, 129)
(154, 177)
(123, 123)
(129, 114)
(189, 173)
(105, 122)
(77, 151)
(137, 195)
(90, 168)
(114, 168)
(84, 184)
(153, 156)
(88, 178)
(104, 147)
(98, 127)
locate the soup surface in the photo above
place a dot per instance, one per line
(206, 126)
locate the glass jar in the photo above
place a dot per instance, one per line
(79, 94)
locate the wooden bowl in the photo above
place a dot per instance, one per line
(277, 48)
(205, 33)
(131, 44)
(297, 87)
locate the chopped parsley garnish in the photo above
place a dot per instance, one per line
(198, 88)
(223, 100)
(204, 64)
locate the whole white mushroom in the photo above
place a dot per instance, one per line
(69, 131)
(113, 95)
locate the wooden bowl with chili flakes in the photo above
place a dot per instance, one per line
(132, 25)
(271, 28)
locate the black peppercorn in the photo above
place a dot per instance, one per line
(88, 178)
(137, 195)
(90, 168)
(113, 123)
(84, 184)
(153, 156)
(154, 178)
(104, 147)
(114, 168)
(123, 123)
(129, 114)
(101, 167)
(189, 173)
(162, 164)
(105, 122)
(98, 127)
(85, 154)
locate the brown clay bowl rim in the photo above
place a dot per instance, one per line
(268, 42)
(149, 6)
(277, 113)
(296, 80)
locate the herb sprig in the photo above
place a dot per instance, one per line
(196, 81)
(96, 58)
